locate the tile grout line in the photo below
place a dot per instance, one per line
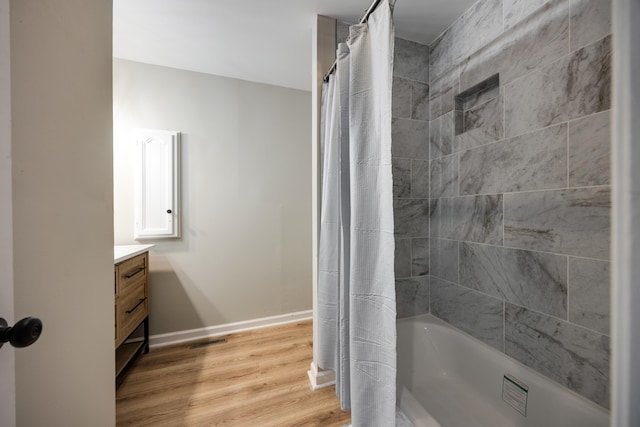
(568, 322)
(568, 285)
(503, 221)
(428, 142)
(504, 326)
(568, 155)
(569, 25)
(522, 249)
(459, 170)
(498, 193)
(411, 100)
(459, 258)
(504, 135)
(506, 138)
(533, 310)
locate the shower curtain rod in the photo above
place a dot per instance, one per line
(364, 18)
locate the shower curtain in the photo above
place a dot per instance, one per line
(356, 292)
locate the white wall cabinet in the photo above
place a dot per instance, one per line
(157, 184)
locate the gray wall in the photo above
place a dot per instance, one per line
(520, 188)
(245, 249)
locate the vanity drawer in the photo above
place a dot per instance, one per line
(131, 272)
(131, 309)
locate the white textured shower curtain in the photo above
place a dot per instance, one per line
(356, 291)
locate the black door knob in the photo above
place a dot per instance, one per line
(22, 334)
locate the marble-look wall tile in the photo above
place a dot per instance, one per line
(589, 286)
(479, 219)
(444, 259)
(572, 87)
(420, 179)
(533, 161)
(441, 55)
(532, 279)
(470, 218)
(419, 101)
(571, 222)
(569, 354)
(481, 124)
(441, 135)
(589, 150)
(442, 93)
(539, 40)
(444, 177)
(402, 258)
(410, 139)
(411, 217)
(516, 10)
(401, 98)
(553, 62)
(411, 60)
(479, 25)
(419, 257)
(477, 314)
(401, 172)
(441, 218)
(412, 296)
(590, 21)
(441, 104)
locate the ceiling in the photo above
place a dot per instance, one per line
(256, 40)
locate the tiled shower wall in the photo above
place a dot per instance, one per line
(410, 165)
(519, 184)
(501, 182)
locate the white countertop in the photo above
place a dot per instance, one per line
(124, 252)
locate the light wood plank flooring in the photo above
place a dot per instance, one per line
(257, 378)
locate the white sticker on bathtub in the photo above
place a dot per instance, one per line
(515, 393)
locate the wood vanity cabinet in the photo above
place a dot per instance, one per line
(131, 309)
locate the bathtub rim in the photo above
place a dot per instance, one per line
(428, 318)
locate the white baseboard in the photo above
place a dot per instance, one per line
(163, 340)
(319, 378)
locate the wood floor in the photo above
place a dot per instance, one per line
(257, 378)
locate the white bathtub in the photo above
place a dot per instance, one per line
(447, 378)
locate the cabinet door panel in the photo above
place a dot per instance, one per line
(156, 184)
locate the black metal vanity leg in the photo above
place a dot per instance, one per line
(146, 335)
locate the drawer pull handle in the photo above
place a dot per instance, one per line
(130, 275)
(140, 301)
